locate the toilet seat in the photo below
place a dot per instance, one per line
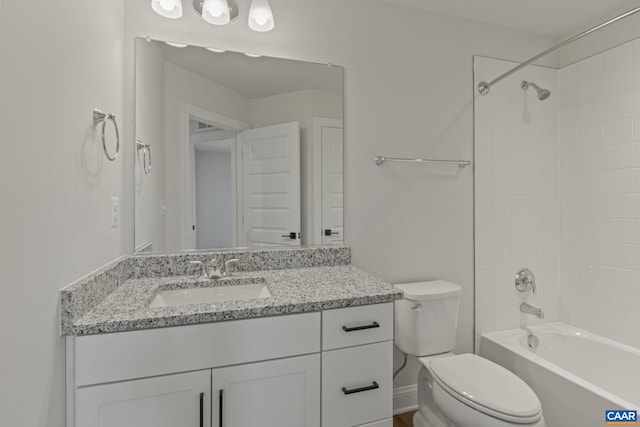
(485, 387)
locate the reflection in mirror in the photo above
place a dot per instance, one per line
(246, 151)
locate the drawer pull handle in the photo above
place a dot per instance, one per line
(201, 409)
(360, 328)
(220, 407)
(361, 389)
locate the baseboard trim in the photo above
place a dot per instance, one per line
(405, 399)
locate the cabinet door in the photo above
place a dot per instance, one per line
(181, 400)
(279, 393)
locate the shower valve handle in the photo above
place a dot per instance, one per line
(525, 281)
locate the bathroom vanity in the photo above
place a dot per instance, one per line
(316, 352)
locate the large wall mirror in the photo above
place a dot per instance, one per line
(235, 150)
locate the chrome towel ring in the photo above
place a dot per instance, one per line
(100, 117)
(146, 156)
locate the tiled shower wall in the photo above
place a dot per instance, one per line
(517, 195)
(558, 191)
(599, 143)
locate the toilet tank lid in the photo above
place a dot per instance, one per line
(426, 290)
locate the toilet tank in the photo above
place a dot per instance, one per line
(427, 317)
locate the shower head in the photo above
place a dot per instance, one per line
(542, 93)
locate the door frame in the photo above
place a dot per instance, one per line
(188, 198)
(316, 160)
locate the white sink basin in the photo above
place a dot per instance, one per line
(210, 295)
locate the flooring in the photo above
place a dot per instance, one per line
(403, 420)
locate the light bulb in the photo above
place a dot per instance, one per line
(167, 5)
(175, 44)
(216, 12)
(168, 8)
(260, 16)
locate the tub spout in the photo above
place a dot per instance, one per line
(529, 309)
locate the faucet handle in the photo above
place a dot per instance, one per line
(526, 281)
(203, 267)
(227, 264)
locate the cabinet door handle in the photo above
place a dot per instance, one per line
(201, 409)
(360, 328)
(361, 389)
(221, 406)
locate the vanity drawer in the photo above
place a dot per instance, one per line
(357, 385)
(346, 327)
(127, 355)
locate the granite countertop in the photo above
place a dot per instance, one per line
(293, 291)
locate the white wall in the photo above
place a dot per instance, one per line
(214, 224)
(517, 196)
(599, 135)
(408, 92)
(301, 106)
(183, 86)
(59, 61)
(149, 223)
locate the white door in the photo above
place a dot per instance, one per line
(182, 400)
(332, 182)
(271, 185)
(280, 393)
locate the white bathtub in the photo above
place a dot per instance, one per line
(576, 374)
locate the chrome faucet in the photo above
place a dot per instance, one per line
(529, 309)
(214, 269)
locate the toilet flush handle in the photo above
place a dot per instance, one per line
(417, 307)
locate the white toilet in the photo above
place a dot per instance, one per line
(456, 390)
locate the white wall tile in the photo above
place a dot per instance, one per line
(572, 214)
(618, 156)
(615, 108)
(619, 81)
(618, 181)
(618, 131)
(617, 58)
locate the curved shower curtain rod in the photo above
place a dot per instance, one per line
(484, 87)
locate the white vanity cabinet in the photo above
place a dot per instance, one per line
(259, 372)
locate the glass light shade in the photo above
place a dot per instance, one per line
(216, 12)
(175, 44)
(216, 50)
(260, 16)
(168, 8)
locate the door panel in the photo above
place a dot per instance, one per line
(280, 393)
(271, 185)
(169, 401)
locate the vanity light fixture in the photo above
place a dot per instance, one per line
(216, 50)
(260, 16)
(220, 12)
(253, 55)
(168, 8)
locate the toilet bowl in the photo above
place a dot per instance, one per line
(456, 390)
